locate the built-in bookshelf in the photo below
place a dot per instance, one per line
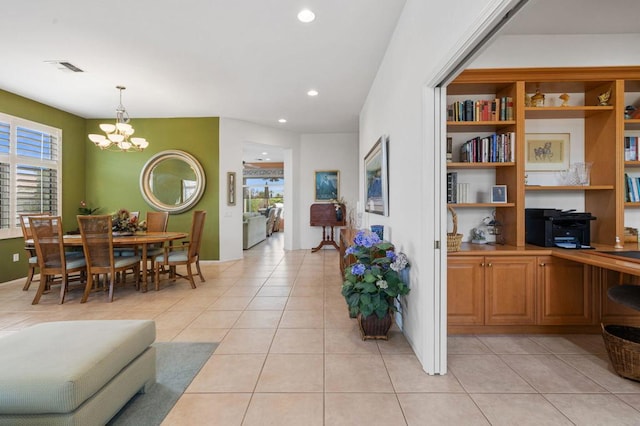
(574, 100)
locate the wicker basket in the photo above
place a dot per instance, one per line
(623, 346)
(453, 238)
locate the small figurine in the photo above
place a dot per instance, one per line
(527, 100)
(603, 98)
(565, 99)
(537, 100)
(629, 112)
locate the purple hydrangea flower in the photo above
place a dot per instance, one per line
(391, 255)
(358, 269)
(350, 250)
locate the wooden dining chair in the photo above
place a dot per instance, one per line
(186, 254)
(32, 256)
(97, 243)
(156, 222)
(52, 260)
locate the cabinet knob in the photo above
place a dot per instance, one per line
(489, 265)
(542, 264)
(482, 264)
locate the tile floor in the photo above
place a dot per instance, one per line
(290, 355)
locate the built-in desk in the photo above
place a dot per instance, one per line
(531, 289)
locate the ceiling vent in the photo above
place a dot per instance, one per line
(65, 66)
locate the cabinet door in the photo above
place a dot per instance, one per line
(465, 290)
(564, 292)
(510, 287)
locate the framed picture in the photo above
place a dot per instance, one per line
(499, 194)
(327, 184)
(231, 188)
(546, 151)
(377, 178)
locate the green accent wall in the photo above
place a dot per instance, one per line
(73, 171)
(113, 178)
(110, 180)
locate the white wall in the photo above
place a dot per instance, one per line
(233, 133)
(400, 105)
(516, 51)
(332, 151)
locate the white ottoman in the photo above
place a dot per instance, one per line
(74, 372)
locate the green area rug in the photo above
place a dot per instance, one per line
(177, 364)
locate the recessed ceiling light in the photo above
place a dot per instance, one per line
(312, 92)
(282, 120)
(306, 16)
(265, 153)
(267, 159)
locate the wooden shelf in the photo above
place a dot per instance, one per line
(477, 126)
(632, 124)
(565, 112)
(483, 165)
(568, 188)
(632, 163)
(472, 205)
(631, 204)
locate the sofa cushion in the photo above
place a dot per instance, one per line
(54, 367)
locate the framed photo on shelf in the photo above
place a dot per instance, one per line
(376, 178)
(327, 183)
(546, 151)
(499, 194)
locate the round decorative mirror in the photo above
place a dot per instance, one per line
(172, 181)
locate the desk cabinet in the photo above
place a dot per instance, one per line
(565, 293)
(465, 290)
(491, 290)
(510, 290)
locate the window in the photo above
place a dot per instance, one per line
(30, 171)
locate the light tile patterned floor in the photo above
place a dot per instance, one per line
(290, 355)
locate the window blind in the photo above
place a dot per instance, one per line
(30, 166)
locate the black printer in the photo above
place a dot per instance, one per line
(554, 227)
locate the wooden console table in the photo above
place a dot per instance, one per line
(325, 215)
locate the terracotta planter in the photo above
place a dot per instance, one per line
(374, 328)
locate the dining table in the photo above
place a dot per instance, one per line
(138, 240)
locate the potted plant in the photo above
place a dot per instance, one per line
(372, 283)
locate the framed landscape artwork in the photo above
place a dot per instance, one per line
(377, 179)
(327, 183)
(546, 151)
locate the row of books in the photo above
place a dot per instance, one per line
(456, 192)
(631, 148)
(497, 148)
(632, 187)
(499, 109)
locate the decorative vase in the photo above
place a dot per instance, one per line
(339, 215)
(374, 328)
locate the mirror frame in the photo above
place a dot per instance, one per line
(145, 181)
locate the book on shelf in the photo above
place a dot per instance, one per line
(632, 187)
(449, 149)
(462, 193)
(631, 148)
(497, 148)
(498, 109)
(452, 187)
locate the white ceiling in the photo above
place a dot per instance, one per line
(245, 59)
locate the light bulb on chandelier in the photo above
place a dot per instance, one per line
(117, 136)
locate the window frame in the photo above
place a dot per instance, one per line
(13, 159)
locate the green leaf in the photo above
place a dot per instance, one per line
(366, 299)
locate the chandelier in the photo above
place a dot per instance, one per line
(117, 136)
